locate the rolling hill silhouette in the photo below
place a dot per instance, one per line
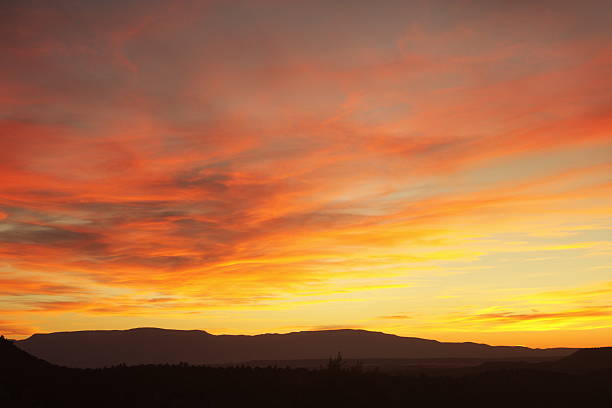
(27, 381)
(585, 360)
(94, 349)
(12, 358)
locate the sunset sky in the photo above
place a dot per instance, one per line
(436, 169)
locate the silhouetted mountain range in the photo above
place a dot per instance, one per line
(91, 349)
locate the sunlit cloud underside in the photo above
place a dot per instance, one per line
(430, 169)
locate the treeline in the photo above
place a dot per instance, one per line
(336, 386)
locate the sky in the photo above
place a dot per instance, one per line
(436, 169)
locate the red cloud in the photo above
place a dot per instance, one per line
(156, 150)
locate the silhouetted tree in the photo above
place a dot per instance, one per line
(357, 367)
(335, 364)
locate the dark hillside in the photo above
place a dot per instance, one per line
(590, 359)
(13, 358)
(29, 382)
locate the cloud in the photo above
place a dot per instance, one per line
(566, 316)
(581, 295)
(19, 286)
(585, 318)
(582, 307)
(11, 329)
(164, 157)
(22, 233)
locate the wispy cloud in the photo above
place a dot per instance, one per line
(162, 157)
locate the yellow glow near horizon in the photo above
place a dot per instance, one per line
(433, 171)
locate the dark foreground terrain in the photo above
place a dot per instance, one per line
(583, 379)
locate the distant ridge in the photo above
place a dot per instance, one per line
(104, 348)
(588, 359)
(13, 358)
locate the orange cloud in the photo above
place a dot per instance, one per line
(563, 316)
(162, 157)
(11, 329)
(21, 286)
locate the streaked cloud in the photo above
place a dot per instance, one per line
(216, 157)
